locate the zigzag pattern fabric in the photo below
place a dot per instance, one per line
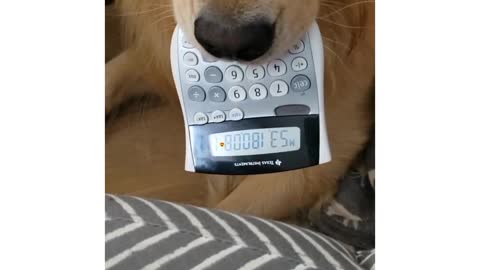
(147, 234)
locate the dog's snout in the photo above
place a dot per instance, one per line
(237, 41)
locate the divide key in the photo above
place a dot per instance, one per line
(300, 83)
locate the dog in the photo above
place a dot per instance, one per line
(256, 31)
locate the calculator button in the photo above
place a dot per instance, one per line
(255, 73)
(292, 110)
(299, 64)
(200, 118)
(186, 43)
(278, 88)
(300, 83)
(234, 74)
(297, 48)
(237, 93)
(218, 117)
(190, 59)
(257, 92)
(213, 75)
(208, 58)
(192, 75)
(217, 94)
(277, 68)
(235, 114)
(196, 93)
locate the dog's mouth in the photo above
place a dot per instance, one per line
(241, 42)
(243, 39)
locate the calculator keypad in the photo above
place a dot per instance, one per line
(278, 88)
(297, 48)
(235, 114)
(218, 117)
(213, 75)
(217, 94)
(237, 94)
(192, 75)
(190, 59)
(234, 74)
(299, 64)
(196, 93)
(277, 68)
(257, 92)
(255, 73)
(216, 90)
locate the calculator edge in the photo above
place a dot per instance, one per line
(189, 165)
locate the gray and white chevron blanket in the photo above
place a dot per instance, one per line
(148, 234)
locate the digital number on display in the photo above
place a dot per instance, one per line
(255, 142)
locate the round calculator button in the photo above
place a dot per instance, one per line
(299, 64)
(216, 94)
(235, 114)
(300, 83)
(277, 68)
(190, 59)
(234, 74)
(186, 44)
(255, 73)
(257, 92)
(208, 58)
(218, 117)
(200, 118)
(297, 48)
(196, 93)
(237, 93)
(278, 88)
(192, 75)
(213, 75)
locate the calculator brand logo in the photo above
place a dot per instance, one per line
(278, 162)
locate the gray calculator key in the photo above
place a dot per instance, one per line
(296, 109)
(300, 83)
(213, 75)
(217, 94)
(196, 93)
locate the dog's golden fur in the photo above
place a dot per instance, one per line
(348, 30)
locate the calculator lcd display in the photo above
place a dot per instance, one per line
(255, 142)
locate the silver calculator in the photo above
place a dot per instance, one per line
(245, 118)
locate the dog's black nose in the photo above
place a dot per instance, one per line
(234, 41)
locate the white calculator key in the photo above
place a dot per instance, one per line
(237, 93)
(299, 64)
(192, 75)
(218, 117)
(255, 73)
(257, 92)
(277, 68)
(209, 58)
(235, 114)
(234, 74)
(279, 88)
(186, 43)
(200, 118)
(190, 59)
(297, 48)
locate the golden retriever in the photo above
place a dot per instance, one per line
(347, 27)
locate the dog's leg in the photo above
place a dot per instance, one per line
(123, 79)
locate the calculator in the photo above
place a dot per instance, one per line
(242, 118)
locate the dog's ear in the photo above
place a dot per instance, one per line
(109, 2)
